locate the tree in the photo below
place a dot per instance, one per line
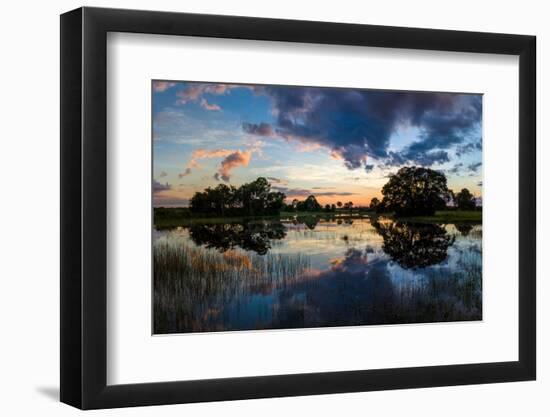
(415, 191)
(254, 195)
(221, 198)
(465, 200)
(450, 199)
(339, 204)
(309, 204)
(333, 207)
(374, 203)
(312, 204)
(275, 202)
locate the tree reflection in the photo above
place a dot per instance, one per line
(310, 222)
(414, 246)
(253, 236)
(464, 228)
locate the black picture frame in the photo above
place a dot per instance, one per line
(84, 207)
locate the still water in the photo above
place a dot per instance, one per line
(314, 272)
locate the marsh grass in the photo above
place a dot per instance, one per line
(188, 280)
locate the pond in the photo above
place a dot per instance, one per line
(314, 271)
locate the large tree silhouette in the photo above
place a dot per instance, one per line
(415, 191)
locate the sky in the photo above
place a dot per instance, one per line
(337, 144)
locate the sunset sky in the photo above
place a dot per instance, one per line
(337, 144)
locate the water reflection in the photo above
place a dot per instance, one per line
(414, 245)
(255, 236)
(464, 228)
(314, 272)
(358, 292)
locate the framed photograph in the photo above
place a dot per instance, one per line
(257, 208)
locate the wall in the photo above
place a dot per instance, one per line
(29, 214)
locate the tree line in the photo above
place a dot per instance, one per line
(253, 199)
(311, 204)
(412, 191)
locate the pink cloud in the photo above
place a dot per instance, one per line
(232, 161)
(211, 107)
(190, 93)
(160, 86)
(203, 154)
(194, 92)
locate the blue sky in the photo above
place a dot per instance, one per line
(338, 144)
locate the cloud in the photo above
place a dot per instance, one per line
(369, 167)
(468, 148)
(203, 154)
(261, 129)
(192, 92)
(456, 168)
(157, 186)
(474, 167)
(207, 106)
(480, 183)
(460, 169)
(161, 86)
(185, 173)
(206, 153)
(163, 174)
(233, 161)
(303, 192)
(416, 157)
(274, 180)
(357, 124)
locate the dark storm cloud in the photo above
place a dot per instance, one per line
(358, 124)
(417, 157)
(468, 148)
